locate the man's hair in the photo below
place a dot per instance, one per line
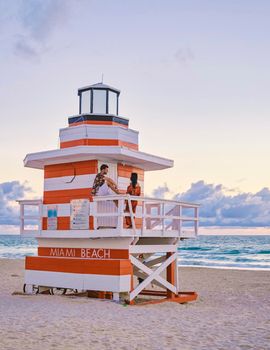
(103, 166)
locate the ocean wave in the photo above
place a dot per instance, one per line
(263, 252)
(219, 251)
(194, 248)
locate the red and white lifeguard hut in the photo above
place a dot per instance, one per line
(83, 243)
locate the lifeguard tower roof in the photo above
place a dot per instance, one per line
(98, 132)
(142, 160)
(99, 86)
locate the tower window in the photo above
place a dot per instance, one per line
(112, 103)
(85, 101)
(99, 101)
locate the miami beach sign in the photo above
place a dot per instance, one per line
(84, 253)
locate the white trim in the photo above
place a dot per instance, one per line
(124, 182)
(153, 275)
(105, 243)
(64, 182)
(37, 217)
(132, 217)
(83, 181)
(150, 199)
(150, 272)
(139, 249)
(63, 209)
(66, 233)
(154, 222)
(29, 201)
(176, 272)
(78, 281)
(116, 297)
(155, 261)
(100, 132)
(99, 86)
(103, 233)
(123, 155)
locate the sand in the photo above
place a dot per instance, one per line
(233, 312)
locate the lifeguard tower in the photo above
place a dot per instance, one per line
(83, 242)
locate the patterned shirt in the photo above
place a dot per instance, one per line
(98, 182)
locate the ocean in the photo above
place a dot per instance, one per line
(252, 252)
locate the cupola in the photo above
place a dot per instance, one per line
(99, 99)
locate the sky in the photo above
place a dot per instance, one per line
(194, 79)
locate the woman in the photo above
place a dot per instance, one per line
(134, 189)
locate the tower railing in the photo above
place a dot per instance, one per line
(31, 222)
(113, 216)
(152, 214)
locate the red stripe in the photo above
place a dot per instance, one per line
(69, 169)
(85, 266)
(138, 223)
(65, 196)
(97, 142)
(126, 170)
(98, 122)
(126, 175)
(63, 223)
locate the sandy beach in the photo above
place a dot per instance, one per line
(233, 312)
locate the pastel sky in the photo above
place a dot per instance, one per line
(194, 79)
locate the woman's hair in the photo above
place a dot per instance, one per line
(134, 179)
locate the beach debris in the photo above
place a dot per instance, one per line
(18, 293)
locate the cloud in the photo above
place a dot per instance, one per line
(218, 208)
(40, 17)
(161, 191)
(184, 55)
(24, 49)
(9, 192)
(34, 22)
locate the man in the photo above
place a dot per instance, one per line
(102, 183)
(101, 187)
